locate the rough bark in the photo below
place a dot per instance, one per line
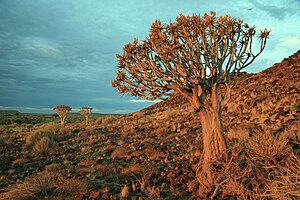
(214, 143)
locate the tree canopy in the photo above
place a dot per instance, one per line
(189, 56)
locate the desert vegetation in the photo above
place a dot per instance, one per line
(158, 152)
(195, 56)
(85, 111)
(62, 111)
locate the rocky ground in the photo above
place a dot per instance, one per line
(153, 153)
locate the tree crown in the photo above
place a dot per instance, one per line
(85, 110)
(189, 56)
(62, 109)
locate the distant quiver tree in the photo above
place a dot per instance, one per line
(195, 56)
(85, 111)
(62, 111)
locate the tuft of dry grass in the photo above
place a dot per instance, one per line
(35, 136)
(42, 139)
(265, 146)
(47, 186)
(44, 145)
(286, 184)
(258, 168)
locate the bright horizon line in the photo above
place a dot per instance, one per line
(37, 110)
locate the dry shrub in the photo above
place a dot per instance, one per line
(292, 133)
(47, 186)
(42, 139)
(286, 184)
(35, 136)
(246, 171)
(265, 146)
(44, 145)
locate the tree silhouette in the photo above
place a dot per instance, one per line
(62, 111)
(85, 111)
(195, 56)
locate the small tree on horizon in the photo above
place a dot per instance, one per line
(85, 111)
(62, 111)
(195, 56)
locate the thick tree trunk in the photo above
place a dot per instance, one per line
(62, 121)
(86, 119)
(214, 143)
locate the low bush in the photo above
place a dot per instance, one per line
(43, 138)
(286, 184)
(286, 181)
(257, 168)
(46, 130)
(35, 136)
(44, 145)
(268, 148)
(50, 185)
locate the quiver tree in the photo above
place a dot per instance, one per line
(85, 111)
(195, 56)
(62, 111)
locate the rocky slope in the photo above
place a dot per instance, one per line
(155, 151)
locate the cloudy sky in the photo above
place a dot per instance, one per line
(63, 51)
